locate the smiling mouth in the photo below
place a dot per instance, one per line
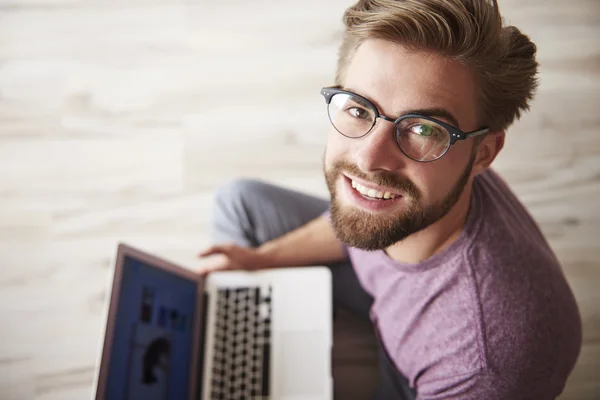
(372, 194)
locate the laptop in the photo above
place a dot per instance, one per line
(173, 334)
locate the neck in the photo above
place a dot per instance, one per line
(435, 238)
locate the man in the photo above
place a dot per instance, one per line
(466, 297)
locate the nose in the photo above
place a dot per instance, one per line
(379, 150)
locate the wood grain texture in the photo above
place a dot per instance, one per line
(119, 118)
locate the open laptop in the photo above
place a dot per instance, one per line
(173, 334)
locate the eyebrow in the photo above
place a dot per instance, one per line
(434, 112)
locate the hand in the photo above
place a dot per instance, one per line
(231, 257)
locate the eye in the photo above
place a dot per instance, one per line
(358, 112)
(423, 130)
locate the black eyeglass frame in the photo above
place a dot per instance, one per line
(455, 133)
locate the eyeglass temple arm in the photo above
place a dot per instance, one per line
(477, 133)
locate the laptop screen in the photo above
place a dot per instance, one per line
(151, 353)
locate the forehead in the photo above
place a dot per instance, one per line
(397, 79)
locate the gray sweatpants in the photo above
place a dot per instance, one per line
(252, 212)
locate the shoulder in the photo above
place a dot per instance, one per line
(507, 250)
(502, 213)
(529, 318)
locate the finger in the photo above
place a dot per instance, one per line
(217, 263)
(204, 271)
(207, 269)
(212, 251)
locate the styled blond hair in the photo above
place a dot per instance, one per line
(471, 32)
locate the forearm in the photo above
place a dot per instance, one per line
(312, 244)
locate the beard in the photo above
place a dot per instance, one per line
(370, 231)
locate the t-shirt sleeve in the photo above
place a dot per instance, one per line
(485, 385)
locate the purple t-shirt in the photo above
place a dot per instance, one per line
(491, 317)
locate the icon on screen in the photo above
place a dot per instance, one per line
(148, 295)
(174, 319)
(162, 317)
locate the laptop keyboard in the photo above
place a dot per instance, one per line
(242, 344)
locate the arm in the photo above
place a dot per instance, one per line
(314, 243)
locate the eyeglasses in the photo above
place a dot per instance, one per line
(419, 137)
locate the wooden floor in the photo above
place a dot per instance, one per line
(119, 117)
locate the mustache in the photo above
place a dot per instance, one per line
(383, 178)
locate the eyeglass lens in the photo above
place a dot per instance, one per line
(419, 138)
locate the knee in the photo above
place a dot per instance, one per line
(238, 192)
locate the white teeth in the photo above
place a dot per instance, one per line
(372, 192)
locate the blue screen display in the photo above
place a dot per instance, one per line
(152, 346)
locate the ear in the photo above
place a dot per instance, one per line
(487, 151)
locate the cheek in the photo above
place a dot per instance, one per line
(426, 176)
(436, 180)
(336, 147)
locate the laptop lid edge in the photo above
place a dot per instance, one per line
(110, 308)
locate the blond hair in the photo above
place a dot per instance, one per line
(501, 58)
